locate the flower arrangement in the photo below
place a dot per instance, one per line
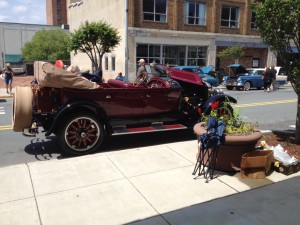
(234, 125)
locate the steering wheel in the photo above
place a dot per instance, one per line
(140, 79)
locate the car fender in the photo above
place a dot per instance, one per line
(74, 106)
(207, 107)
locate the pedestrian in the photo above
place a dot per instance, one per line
(141, 75)
(74, 69)
(267, 78)
(8, 77)
(274, 72)
(120, 77)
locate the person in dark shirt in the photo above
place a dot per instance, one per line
(267, 78)
(8, 76)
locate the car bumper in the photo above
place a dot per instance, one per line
(234, 84)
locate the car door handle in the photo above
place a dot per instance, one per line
(108, 97)
(148, 96)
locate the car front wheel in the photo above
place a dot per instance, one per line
(81, 134)
(229, 87)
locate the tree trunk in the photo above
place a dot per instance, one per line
(297, 137)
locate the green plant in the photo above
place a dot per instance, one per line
(234, 125)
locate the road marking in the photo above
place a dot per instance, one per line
(6, 127)
(264, 103)
(2, 111)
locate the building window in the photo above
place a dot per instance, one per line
(58, 8)
(113, 62)
(151, 53)
(106, 62)
(155, 10)
(170, 54)
(196, 56)
(58, 16)
(195, 13)
(253, 18)
(230, 16)
(173, 55)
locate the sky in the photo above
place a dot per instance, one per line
(23, 11)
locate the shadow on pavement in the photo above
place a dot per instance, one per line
(46, 148)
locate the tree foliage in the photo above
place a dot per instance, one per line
(47, 45)
(95, 39)
(232, 53)
(278, 22)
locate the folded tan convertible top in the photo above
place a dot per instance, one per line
(49, 75)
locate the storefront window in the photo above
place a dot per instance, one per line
(197, 56)
(173, 55)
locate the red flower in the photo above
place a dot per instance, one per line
(214, 105)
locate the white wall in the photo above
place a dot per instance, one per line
(113, 12)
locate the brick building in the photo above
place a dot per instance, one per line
(56, 12)
(181, 32)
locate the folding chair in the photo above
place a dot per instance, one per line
(208, 148)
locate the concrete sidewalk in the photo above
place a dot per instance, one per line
(149, 185)
(3, 93)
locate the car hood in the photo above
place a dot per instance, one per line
(185, 76)
(207, 69)
(237, 69)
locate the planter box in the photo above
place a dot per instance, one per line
(231, 151)
(256, 164)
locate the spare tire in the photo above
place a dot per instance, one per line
(22, 108)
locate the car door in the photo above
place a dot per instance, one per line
(123, 103)
(161, 99)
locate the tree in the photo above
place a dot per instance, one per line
(47, 45)
(278, 22)
(232, 53)
(95, 39)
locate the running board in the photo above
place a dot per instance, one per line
(153, 128)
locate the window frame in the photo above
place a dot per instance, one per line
(197, 19)
(113, 62)
(162, 16)
(229, 20)
(106, 62)
(253, 18)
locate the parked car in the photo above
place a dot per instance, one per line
(281, 76)
(280, 79)
(244, 79)
(203, 73)
(82, 113)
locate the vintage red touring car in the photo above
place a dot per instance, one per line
(81, 113)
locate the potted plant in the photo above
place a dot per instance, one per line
(238, 138)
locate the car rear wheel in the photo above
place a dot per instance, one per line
(81, 133)
(22, 108)
(247, 86)
(229, 87)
